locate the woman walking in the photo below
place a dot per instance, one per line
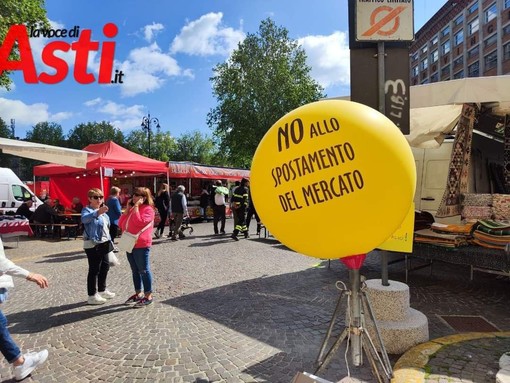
(163, 206)
(97, 244)
(138, 219)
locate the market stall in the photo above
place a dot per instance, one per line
(111, 164)
(197, 177)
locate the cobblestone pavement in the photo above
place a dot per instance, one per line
(224, 311)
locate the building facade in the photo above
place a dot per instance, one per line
(465, 38)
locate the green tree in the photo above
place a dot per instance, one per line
(162, 144)
(94, 133)
(49, 133)
(195, 147)
(265, 78)
(28, 12)
(5, 132)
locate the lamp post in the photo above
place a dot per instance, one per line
(146, 125)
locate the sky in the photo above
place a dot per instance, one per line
(166, 51)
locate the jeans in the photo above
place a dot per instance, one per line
(98, 271)
(9, 349)
(142, 276)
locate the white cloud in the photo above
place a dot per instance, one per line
(122, 116)
(206, 36)
(328, 56)
(147, 69)
(150, 31)
(92, 102)
(29, 114)
(25, 114)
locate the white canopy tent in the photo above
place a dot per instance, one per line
(47, 153)
(436, 107)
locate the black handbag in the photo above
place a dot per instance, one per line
(104, 247)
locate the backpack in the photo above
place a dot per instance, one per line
(219, 199)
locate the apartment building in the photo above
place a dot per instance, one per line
(465, 38)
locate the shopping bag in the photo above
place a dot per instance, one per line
(112, 259)
(127, 242)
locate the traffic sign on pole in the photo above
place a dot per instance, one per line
(384, 20)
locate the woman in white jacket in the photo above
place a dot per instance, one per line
(23, 364)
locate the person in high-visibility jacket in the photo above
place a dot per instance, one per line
(239, 205)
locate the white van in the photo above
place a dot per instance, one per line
(13, 192)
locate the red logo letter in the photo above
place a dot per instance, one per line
(26, 61)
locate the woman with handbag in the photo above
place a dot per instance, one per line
(137, 221)
(97, 244)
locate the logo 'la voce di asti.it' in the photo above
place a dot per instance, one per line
(18, 34)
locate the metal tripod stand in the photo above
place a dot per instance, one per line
(358, 338)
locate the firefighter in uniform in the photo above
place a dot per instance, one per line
(239, 205)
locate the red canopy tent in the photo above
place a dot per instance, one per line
(109, 160)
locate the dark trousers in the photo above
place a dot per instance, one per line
(163, 214)
(98, 271)
(114, 231)
(250, 213)
(219, 216)
(240, 221)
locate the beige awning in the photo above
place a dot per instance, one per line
(47, 153)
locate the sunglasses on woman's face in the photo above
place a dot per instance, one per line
(97, 197)
(138, 195)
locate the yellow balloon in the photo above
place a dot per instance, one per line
(333, 179)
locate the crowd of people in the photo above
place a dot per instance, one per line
(102, 221)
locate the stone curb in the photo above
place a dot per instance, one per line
(410, 368)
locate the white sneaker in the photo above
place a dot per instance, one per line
(32, 361)
(107, 294)
(96, 299)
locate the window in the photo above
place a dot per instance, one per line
(425, 81)
(506, 28)
(415, 71)
(474, 69)
(434, 56)
(459, 74)
(445, 48)
(20, 193)
(423, 49)
(506, 4)
(445, 71)
(473, 8)
(473, 52)
(434, 77)
(490, 13)
(414, 56)
(458, 20)
(490, 40)
(458, 38)
(491, 60)
(445, 31)
(434, 40)
(473, 26)
(506, 51)
(458, 61)
(424, 64)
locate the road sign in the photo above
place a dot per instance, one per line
(384, 20)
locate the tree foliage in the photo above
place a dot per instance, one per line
(49, 133)
(265, 78)
(195, 147)
(94, 133)
(162, 144)
(5, 132)
(28, 12)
